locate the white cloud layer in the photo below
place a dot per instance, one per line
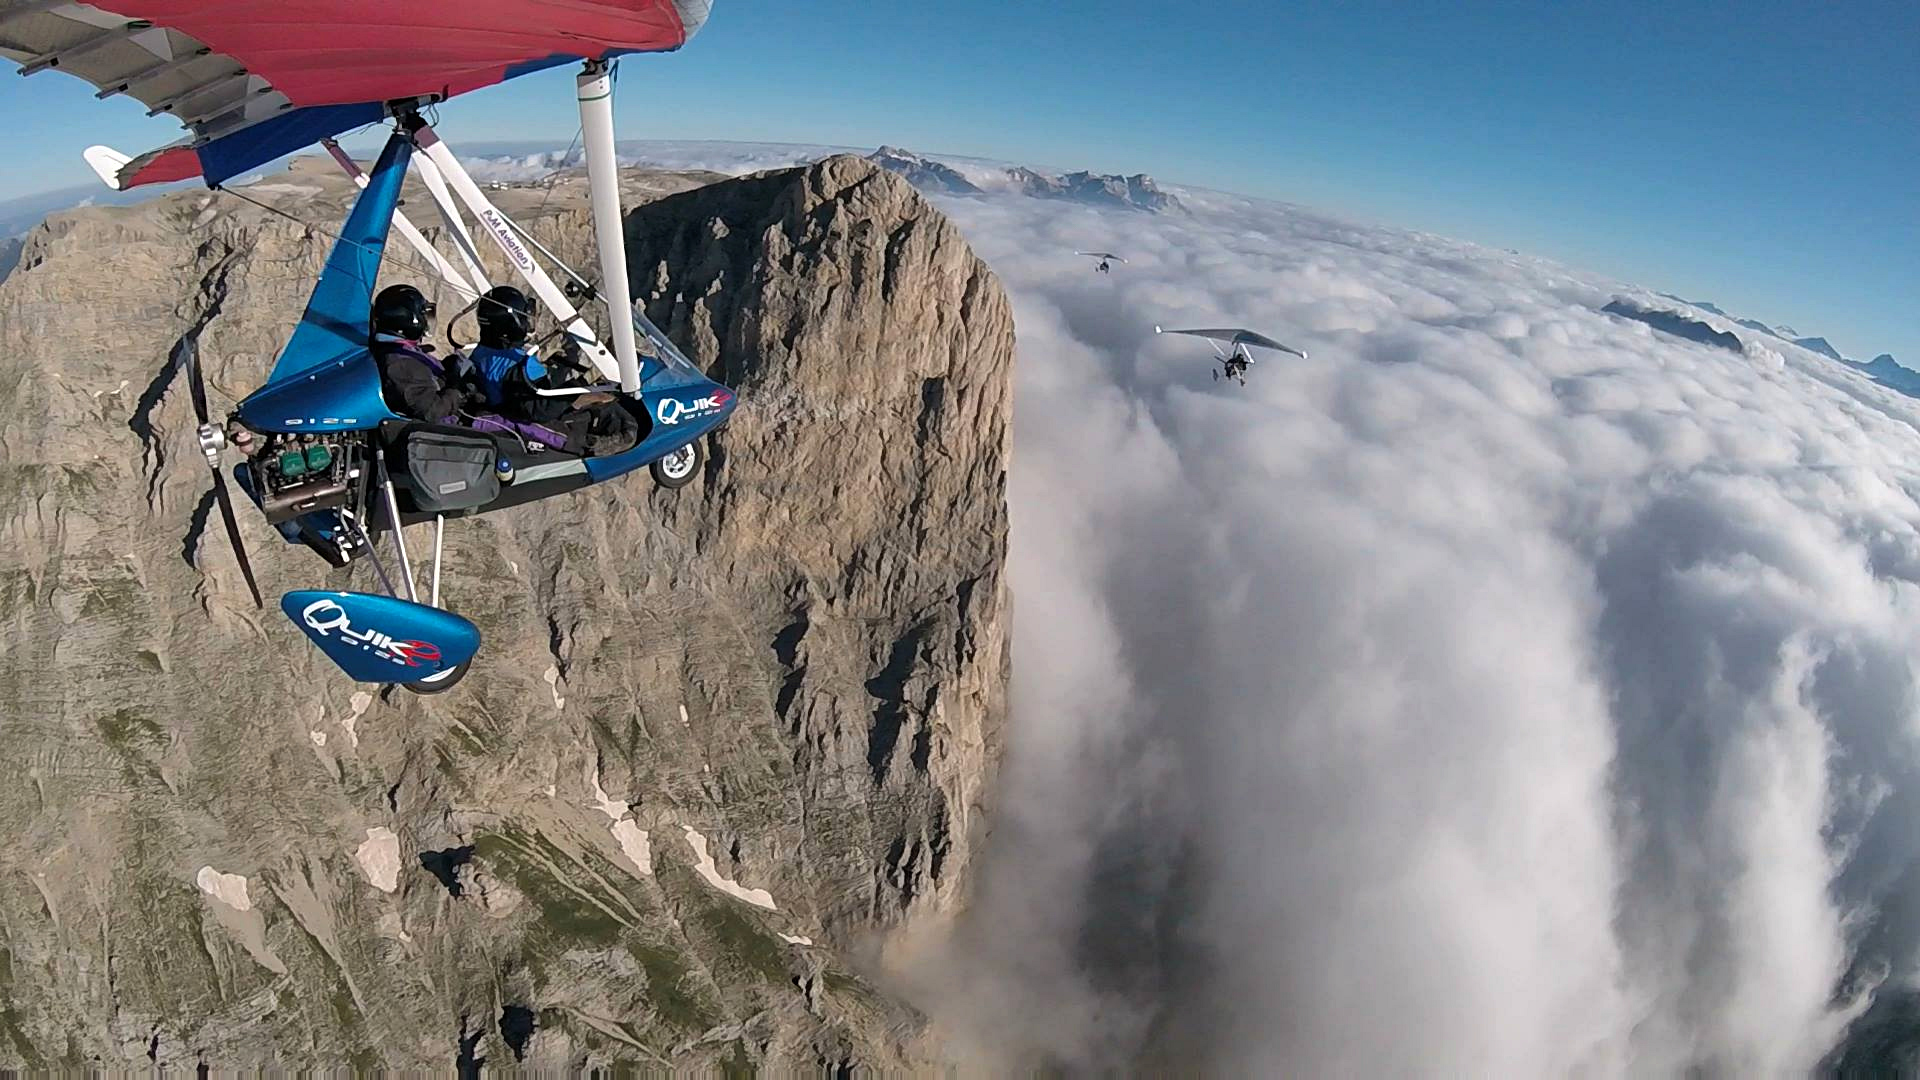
(1506, 690)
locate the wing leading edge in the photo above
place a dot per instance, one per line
(1234, 335)
(254, 81)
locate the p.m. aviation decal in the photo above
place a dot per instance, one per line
(673, 410)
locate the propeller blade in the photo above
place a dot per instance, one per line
(233, 535)
(211, 441)
(196, 387)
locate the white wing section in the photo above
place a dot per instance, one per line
(106, 163)
(1234, 335)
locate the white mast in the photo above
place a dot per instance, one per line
(595, 90)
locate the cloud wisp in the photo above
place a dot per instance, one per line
(1506, 690)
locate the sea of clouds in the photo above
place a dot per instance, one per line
(1508, 689)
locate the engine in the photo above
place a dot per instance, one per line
(301, 473)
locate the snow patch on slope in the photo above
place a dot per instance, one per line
(379, 858)
(229, 889)
(710, 872)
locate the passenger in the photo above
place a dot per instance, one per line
(414, 382)
(510, 377)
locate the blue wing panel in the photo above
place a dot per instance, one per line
(227, 157)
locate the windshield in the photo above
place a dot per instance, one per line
(662, 364)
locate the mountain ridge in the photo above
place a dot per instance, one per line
(1136, 192)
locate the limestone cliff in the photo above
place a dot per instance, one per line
(719, 743)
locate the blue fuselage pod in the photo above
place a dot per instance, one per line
(339, 395)
(379, 639)
(681, 413)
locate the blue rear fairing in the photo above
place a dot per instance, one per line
(341, 395)
(380, 639)
(335, 324)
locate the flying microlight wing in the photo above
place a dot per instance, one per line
(254, 81)
(1237, 356)
(328, 463)
(1101, 255)
(1237, 337)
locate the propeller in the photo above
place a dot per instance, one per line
(212, 441)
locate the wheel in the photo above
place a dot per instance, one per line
(441, 683)
(678, 469)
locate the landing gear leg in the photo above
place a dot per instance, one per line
(399, 532)
(443, 682)
(439, 535)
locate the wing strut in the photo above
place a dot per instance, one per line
(456, 225)
(495, 225)
(595, 91)
(448, 272)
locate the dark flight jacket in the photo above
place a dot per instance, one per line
(415, 383)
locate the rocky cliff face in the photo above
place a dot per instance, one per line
(719, 742)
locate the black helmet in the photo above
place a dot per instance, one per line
(402, 311)
(505, 316)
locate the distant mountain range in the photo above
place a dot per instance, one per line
(1673, 322)
(1883, 369)
(1819, 345)
(1097, 189)
(522, 161)
(1137, 192)
(23, 213)
(924, 173)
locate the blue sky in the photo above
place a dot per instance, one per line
(1765, 156)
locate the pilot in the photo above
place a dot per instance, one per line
(414, 381)
(510, 376)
